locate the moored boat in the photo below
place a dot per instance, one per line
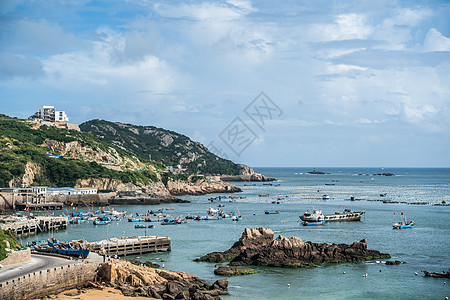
(102, 221)
(272, 212)
(143, 226)
(325, 197)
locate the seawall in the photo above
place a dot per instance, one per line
(42, 283)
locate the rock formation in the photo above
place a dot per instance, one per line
(200, 187)
(246, 174)
(135, 280)
(257, 247)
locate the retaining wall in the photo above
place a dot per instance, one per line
(49, 281)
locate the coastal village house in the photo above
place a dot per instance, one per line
(49, 113)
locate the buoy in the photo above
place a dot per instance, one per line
(343, 272)
(289, 285)
(380, 270)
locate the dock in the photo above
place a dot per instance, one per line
(27, 226)
(131, 245)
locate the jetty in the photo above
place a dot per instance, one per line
(27, 226)
(124, 246)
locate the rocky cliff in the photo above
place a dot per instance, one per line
(257, 247)
(109, 157)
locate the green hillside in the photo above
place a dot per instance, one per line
(165, 146)
(22, 142)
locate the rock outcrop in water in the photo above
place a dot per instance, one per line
(135, 280)
(257, 247)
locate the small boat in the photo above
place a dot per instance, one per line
(325, 197)
(143, 226)
(263, 195)
(330, 183)
(273, 212)
(236, 218)
(403, 225)
(171, 222)
(102, 221)
(156, 211)
(250, 184)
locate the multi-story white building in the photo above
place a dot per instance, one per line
(49, 113)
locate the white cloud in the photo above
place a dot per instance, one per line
(345, 27)
(205, 11)
(435, 41)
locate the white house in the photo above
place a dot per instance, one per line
(49, 113)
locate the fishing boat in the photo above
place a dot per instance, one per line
(69, 250)
(169, 222)
(44, 248)
(156, 211)
(143, 226)
(346, 215)
(236, 218)
(273, 212)
(102, 221)
(403, 225)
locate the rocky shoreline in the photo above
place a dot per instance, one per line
(257, 247)
(134, 280)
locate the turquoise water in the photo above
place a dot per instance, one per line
(424, 247)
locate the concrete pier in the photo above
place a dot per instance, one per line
(132, 245)
(26, 226)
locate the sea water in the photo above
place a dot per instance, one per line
(426, 246)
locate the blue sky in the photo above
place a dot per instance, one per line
(358, 83)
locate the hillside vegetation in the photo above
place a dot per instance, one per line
(165, 146)
(23, 143)
(8, 242)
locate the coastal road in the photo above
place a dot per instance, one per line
(37, 263)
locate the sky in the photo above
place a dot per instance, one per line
(266, 83)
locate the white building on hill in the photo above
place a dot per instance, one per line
(49, 113)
